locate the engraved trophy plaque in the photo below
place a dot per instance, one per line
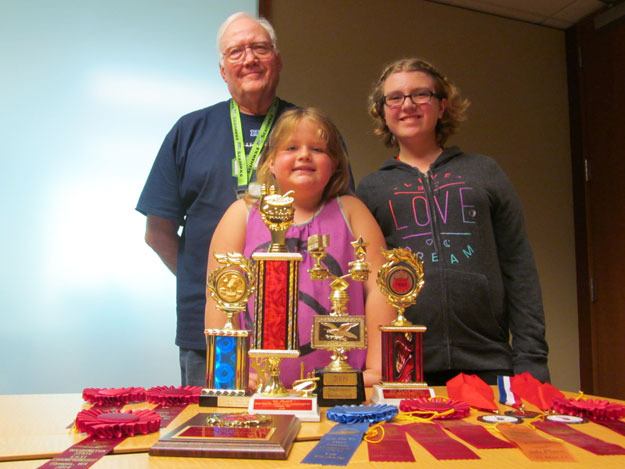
(275, 313)
(339, 383)
(230, 286)
(400, 280)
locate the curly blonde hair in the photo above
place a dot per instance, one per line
(455, 110)
(284, 128)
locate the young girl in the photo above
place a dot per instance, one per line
(305, 154)
(460, 214)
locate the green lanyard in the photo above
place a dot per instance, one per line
(243, 166)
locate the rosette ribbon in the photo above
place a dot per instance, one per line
(435, 408)
(113, 397)
(169, 396)
(361, 413)
(338, 445)
(591, 409)
(113, 424)
(106, 429)
(172, 400)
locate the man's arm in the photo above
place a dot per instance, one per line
(161, 234)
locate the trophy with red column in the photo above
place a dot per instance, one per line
(400, 280)
(275, 313)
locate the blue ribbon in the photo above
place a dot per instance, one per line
(338, 445)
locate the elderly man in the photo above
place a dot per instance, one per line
(205, 162)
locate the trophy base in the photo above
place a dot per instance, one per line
(393, 393)
(304, 408)
(272, 439)
(340, 387)
(224, 398)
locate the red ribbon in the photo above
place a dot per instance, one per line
(436, 405)
(105, 425)
(579, 439)
(393, 446)
(542, 395)
(170, 396)
(476, 435)
(473, 390)
(113, 397)
(83, 454)
(438, 443)
(592, 409)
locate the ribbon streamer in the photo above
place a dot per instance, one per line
(438, 443)
(391, 447)
(476, 435)
(535, 447)
(579, 439)
(338, 445)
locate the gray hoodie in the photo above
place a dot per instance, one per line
(464, 220)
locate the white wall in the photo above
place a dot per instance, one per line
(88, 90)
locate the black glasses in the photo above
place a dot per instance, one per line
(395, 100)
(261, 50)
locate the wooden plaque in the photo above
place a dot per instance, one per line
(199, 437)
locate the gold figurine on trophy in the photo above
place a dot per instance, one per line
(338, 332)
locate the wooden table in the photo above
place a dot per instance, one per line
(35, 427)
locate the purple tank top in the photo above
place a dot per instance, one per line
(313, 294)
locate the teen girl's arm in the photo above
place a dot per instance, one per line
(229, 236)
(377, 311)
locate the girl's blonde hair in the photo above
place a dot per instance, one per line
(284, 128)
(455, 111)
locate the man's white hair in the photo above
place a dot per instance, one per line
(266, 25)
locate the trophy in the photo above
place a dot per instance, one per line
(339, 383)
(400, 279)
(275, 313)
(230, 286)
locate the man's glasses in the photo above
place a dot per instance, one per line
(261, 50)
(396, 100)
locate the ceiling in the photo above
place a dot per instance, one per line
(559, 14)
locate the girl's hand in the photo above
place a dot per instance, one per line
(253, 381)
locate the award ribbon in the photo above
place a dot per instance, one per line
(614, 425)
(579, 439)
(172, 400)
(528, 388)
(591, 409)
(393, 446)
(244, 165)
(106, 430)
(426, 409)
(535, 447)
(506, 396)
(83, 454)
(438, 443)
(476, 435)
(338, 445)
(473, 390)
(113, 398)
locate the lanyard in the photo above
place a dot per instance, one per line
(244, 166)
